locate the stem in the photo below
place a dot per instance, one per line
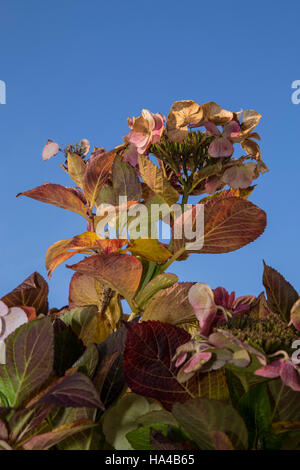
(172, 259)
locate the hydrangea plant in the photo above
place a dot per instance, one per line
(191, 367)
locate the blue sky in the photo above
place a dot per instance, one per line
(76, 69)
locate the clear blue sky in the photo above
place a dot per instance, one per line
(77, 69)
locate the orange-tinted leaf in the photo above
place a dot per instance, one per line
(171, 305)
(30, 312)
(150, 249)
(111, 245)
(121, 272)
(60, 251)
(84, 290)
(97, 172)
(33, 292)
(59, 196)
(229, 224)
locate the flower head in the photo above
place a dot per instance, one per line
(222, 145)
(214, 306)
(146, 130)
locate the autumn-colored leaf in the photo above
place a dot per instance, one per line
(125, 181)
(98, 169)
(84, 290)
(33, 292)
(281, 295)
(76, 168)
(156, 181)
(75, 390)
(121, 272)
(150, 249)
(59, 196)
(88, 324)
(150, 371)
(29, 360)
(65, 249)
(229, 224)
(49, 439)
(171, 305)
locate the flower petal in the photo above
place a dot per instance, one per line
(220, 147)
(201, 298)
(271, 370)
(197, 361)
(232, 129)
(211, 128)
(290, 376)
(50, 150)
(15, 318)
(3, 309)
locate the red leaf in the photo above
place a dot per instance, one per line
(97, 172)
(33, 292)
(150, 371)
(281, 295)
(59, 196)
(75, 390)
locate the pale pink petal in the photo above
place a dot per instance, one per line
(50, 150)
(290, 376)
(212, 184)
(15, 318)
(201, 298)
(159, 121)
(211, 128)
(238, 177)
(232, 129)
(181, 359)
(149, 117)
(130, 155)
(136, 138)
(220, 147)
(271, 370)
(3, 309)
(197, 361)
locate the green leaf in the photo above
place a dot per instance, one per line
(201, 418)
(121, 418)
(140, 438)
(255, 409)
(281, 295)
(29, 360)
